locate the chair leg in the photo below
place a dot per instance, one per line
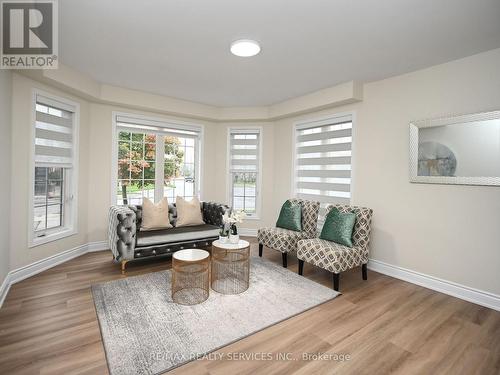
(336, 282)
(301, 267)
(261, 247)
(285, 257)
(364, 271)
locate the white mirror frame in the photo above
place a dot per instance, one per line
(455, 180)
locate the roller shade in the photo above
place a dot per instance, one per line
(53, 134)
(244, 150)
(131, 124)
(323, 161)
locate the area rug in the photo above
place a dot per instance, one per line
(145, 332)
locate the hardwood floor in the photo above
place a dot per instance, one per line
(48, 325)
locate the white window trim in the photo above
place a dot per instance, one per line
(158, 122)
(324, 120)
(229, 185)
(71, 229)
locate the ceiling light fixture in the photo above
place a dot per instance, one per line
(245, 48)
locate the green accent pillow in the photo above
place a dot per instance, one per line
(290, 216)
(338, 227)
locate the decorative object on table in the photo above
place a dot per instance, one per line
(190, 276)
(137, 316)
(127, 242)
(188, 212)
(223, 234)
(155, 216)
(290, 216)
(461, 150)
(285, 240)
(230, 220)
(230, 267)
(334, 257)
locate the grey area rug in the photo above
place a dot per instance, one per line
(145, 332)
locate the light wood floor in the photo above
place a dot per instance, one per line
(48, 325)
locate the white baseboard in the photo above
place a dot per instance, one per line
(247, 232)
(97, 246)
(447, 287)
(32, 269)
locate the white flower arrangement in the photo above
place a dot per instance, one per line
(230, 219)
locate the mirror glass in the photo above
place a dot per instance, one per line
(470, 149)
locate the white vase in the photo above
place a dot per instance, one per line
(234, 238)
(223, 239)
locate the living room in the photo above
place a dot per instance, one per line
(250, 187)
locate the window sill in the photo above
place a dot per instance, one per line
(252, 218)
(52, 237)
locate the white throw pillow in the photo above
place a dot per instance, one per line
(188, 213)
(155, 216)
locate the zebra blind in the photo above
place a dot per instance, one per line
(323, 161)
(53, 134)
(244, 150)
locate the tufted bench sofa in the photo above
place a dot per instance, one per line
(127, 242)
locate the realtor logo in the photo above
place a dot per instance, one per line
(29, 34)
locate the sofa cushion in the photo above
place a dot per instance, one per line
(155, 216)
(178, 234)
(188, 212)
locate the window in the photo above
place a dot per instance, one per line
(54, 176)
(244, 169)
(155, 160)
(323, 161)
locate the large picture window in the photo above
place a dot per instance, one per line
(244, 170)
(323, 151)
(54, 176)
(155, 160)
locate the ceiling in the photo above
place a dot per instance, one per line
(181, 48)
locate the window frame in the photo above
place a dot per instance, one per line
(145, 120)
(70, 190)
(324, 120)
(229, 174)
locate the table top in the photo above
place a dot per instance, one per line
(242, 244)
(191, 255)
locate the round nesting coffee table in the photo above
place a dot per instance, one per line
(230, 267)
(190, 276)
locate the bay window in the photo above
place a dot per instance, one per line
(155, 159)
(53, 195)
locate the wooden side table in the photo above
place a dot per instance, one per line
(230, 267)
(190, 276)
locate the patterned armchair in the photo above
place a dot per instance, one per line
(338, 258)
(285, 240)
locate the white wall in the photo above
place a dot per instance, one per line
(450, 232)
(5, 148)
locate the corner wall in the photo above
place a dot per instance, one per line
(447, 231)
(5, 157)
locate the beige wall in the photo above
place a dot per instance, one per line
(5, 157)
(20, 253)
(450, 232)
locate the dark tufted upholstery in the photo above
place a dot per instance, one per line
(124, 231)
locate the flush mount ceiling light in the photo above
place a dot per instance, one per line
(245, 48)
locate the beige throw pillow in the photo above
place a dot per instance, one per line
(188, 213)
(155, 216)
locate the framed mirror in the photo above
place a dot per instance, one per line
(462, 150)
